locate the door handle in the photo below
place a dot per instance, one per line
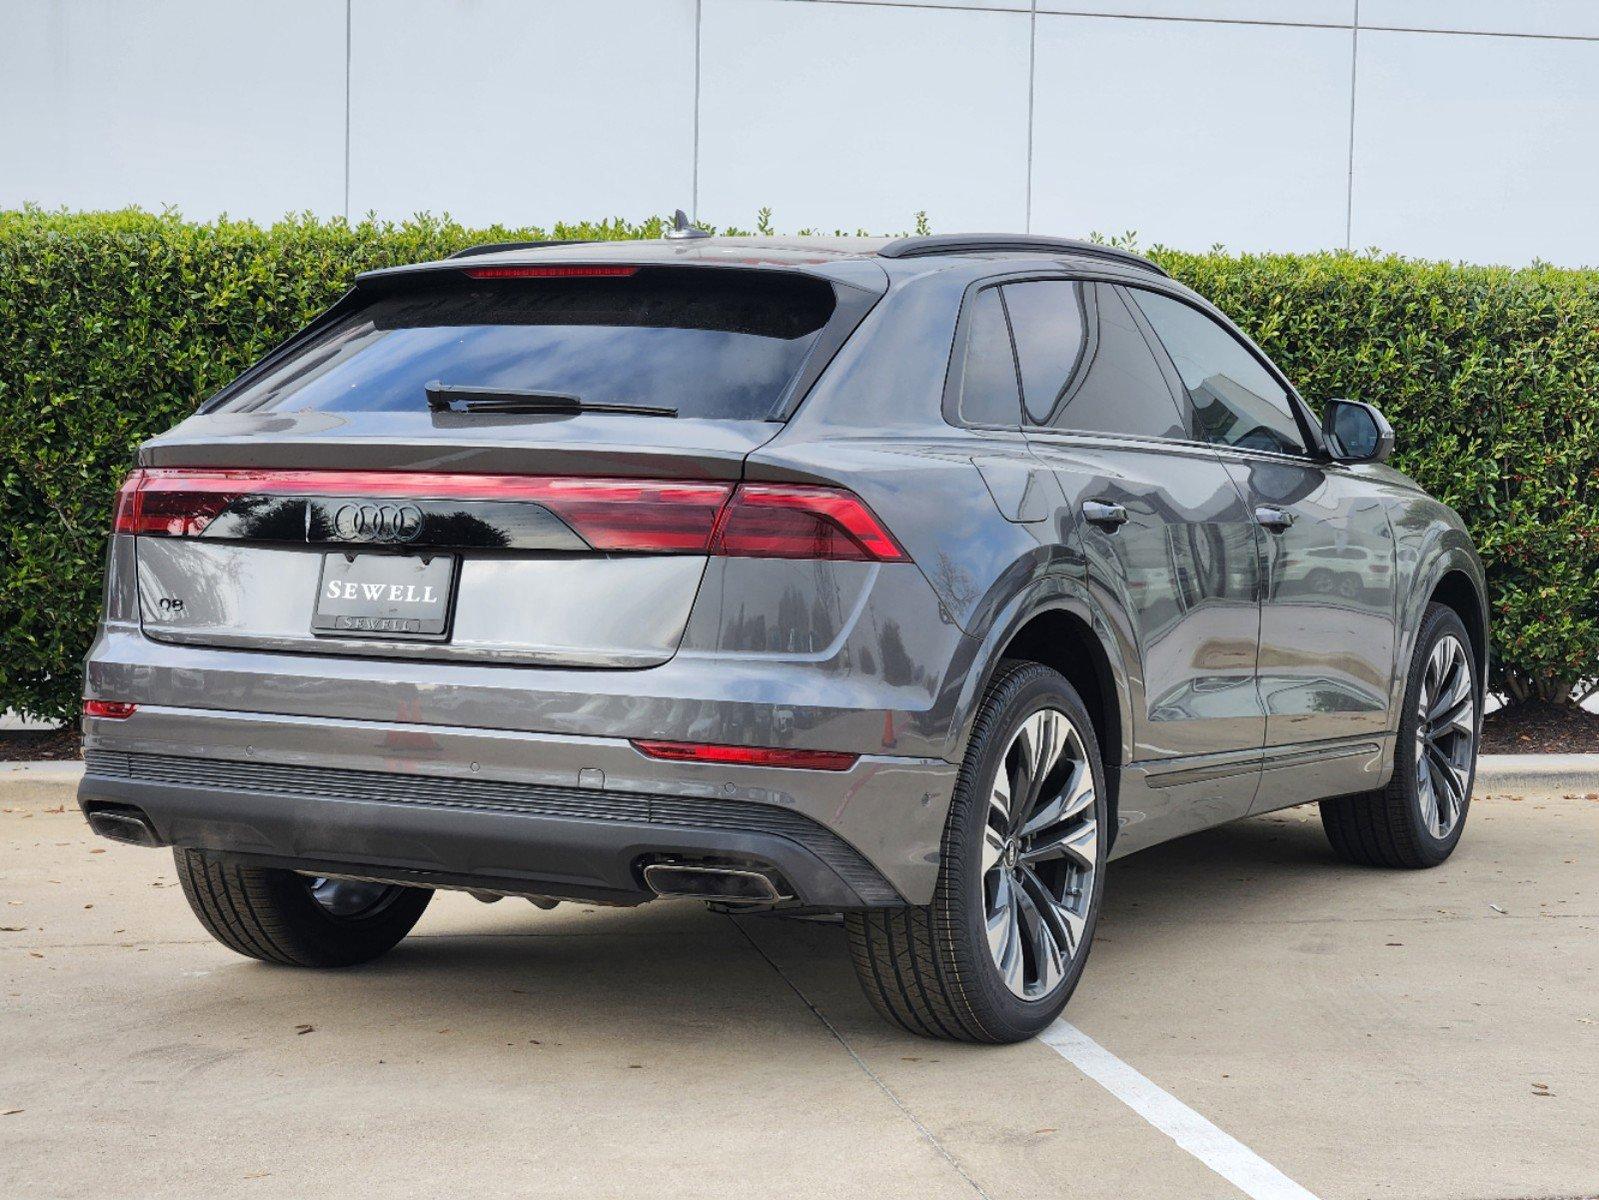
(1107, 516)
(1275, 519)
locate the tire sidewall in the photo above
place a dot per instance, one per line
(1438, 623)
(325, 939)
(1016, 694)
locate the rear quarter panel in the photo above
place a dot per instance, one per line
(875, 424)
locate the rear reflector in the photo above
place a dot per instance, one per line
(115, 710)
(751, 520)
(551, 272)
(747, 756)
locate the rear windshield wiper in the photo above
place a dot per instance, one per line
(448, 397)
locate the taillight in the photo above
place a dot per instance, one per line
(663, 516)
(168, 504)
(750, 520)
(622, 514)
(115, 710)
(747, 756)
(125, 518)
(798, 521)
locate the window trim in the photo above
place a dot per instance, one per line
(1315, 449)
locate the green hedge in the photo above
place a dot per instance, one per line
(1490, 377)
(115, 325)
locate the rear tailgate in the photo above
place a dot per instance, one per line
(563, 567)
(320, 506)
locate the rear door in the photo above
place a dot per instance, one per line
(1168, 545)
(322, 505)
(1328, 619)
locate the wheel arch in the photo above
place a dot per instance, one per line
(1453, 577)
(1456, 590)
(1053, 623)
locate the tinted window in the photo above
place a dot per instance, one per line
(1047, 320)
(1120, 388)
(1111, 384)
(708, 343)
(988, 377)
(1236, 400)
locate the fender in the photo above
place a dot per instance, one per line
(1442, 550)
(1052, 592)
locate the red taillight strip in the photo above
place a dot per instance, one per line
(662, 516)
(125, 515)
(747, 756)
(768, 520)
(411, 485)
(620, 514)
(551, 272)
(113, 710)
(610, 514)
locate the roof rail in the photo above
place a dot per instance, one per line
(981, 243)
(496, 247)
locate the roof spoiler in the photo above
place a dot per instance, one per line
(496, 247)
(981, 243)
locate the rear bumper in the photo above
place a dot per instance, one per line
(510, 811)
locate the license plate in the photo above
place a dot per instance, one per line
(384, 595)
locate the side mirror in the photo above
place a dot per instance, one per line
(1356, 432)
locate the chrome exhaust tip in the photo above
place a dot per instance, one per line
(127, 825)
(708, 881)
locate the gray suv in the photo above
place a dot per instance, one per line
(910, 580)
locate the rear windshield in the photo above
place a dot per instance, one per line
(709, 343)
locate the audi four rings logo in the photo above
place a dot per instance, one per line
(377, 522)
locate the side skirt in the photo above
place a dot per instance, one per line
(1164, 799)
(1320, 770)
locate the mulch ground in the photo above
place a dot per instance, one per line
(1541, 729)
(1523, 729)
(35, 744)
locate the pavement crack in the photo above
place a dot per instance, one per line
(893, 1097)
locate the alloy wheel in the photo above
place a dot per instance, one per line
(350, 898)
(1040, 853)
(1446, 736)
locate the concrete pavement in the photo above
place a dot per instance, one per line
(1368, 1033)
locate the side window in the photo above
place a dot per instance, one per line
(1085, 365)
(988, 394)
(1236, 401)
(1051, 336)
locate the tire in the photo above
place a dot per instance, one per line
(930, 969)
(276, 916)
(1403, 825)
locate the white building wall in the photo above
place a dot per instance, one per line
(1445, 128)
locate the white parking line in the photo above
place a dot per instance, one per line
(1221, 1152)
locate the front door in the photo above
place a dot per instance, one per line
(1328, 626)
(1328, 622)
